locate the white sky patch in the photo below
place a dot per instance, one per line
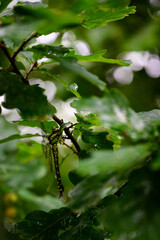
(123, 75)
(140, 60)
(14, 2)
(65, 111)
(44, 59)
(121, 115)
(50, 88)
(46, 39)
(153, 66)
(68, 39)
(9, 114)
(82, 48)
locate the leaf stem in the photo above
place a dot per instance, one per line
(12, 61)
(68, 133)
(30, 70)
(70, 147)
(21, 46)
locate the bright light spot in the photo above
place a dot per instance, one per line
(82, 48)
(65, 111)
(9, 114)
(50, 88)
(31, 130)
(123, 75)
(155, 3)
(14, 2)
(153, 66)
(44, 59)
(138, 59)
(158, 102)
(46, 39)
(68, 39)
(121, 115)
(2, 32)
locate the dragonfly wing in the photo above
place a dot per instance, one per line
(50, 159)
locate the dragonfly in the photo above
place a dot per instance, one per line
(51, 153)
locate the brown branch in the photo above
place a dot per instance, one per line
(15, 68)
(68, 133)
(21, 46)
(70, 147)
(30, 70)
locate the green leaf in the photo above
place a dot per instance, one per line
(4, 4)
(136, 213)
(82, 233)
(97, 57)
(113, 112)
(28, 99)
(150, 116)
(73, 88)
(72, 65)
(90, 190)
(97, 139)
(107, 161)
(99, 15)
(18, 136)
(36, 123)
(38, 224)
(42, 17)
(43, 50)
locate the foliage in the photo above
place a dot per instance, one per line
(109, 156)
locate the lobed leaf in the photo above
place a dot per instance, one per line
(18, 136)
(107, 161)
(112, 112)
(4, 4)
(99, 15)
(29, 100)
(97, 57)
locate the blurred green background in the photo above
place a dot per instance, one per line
(23, 175)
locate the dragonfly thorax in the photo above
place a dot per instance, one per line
(54, 136)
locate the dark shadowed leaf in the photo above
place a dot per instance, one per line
(41, 225)
(136, 213)
(99, 15)
(43, 17)
(107, 161)
(29, 100)
(4, 4)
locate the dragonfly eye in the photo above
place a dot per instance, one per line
(54, 129)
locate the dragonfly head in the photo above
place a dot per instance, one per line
(55, 129)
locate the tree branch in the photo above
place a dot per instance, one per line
(68, 133)
(30, 70)
(70, 147)
(15, 68)
(21, 46)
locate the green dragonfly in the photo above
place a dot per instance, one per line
(51, 153)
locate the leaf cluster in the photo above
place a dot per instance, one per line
(109, 156)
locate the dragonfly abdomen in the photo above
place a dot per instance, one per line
(56, 165)
(53, 141)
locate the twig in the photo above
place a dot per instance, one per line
(69, 147)
(21, 46)
(68, 133)
(15, 68)
(30, 70)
